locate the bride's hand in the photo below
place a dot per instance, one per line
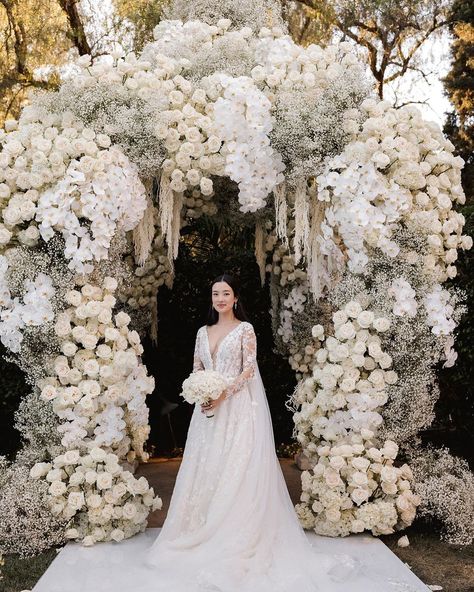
(213, 403)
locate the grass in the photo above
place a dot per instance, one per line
(22, 573)
(434, 561)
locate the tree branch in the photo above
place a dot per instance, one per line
(76, 33)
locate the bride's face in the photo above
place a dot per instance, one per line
(222, 297)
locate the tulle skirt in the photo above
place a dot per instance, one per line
(231, 524)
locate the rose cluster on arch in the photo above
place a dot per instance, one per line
(99, 384)
(104, 501)
(57, 174)
(126, 153)
(398, 168)
(337, 423)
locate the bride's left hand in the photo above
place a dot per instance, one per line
(213, 403)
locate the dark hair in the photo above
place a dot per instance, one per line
(239, 311)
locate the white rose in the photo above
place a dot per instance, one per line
(345, 331)
(91, 368)
(117, 535)
(57, 488)
(69, 348)
(94, 500)
(390, 449)
(76, 500)
(339, 317)
(375, 350)
(365, 318)
(129, 511)
(76, 479)
(388, 474)
(348, 385)
(337, 462)
(73, 297)
(104, 480)
(122, 319)
(48, 393)
(71, 457)
(39, 470)
(119, 490)
(381, 324)
(110, 284)
(98, 454)
(389, 488)
(111, 334)
(359, 495)
(361, 464)
(333, 514)
(62, 328)
(403, 541)
(206, 186)
(72, 533)
(332, 478)
(90, 477)
(317, 331)
(353, 309)
(79, 332)
(359, 478)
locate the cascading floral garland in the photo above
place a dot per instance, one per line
(356, 229)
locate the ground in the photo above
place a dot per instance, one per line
(433, 561)
(436, 563)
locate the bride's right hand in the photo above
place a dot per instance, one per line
(213, 402)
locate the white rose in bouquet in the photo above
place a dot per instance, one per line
(203, 386)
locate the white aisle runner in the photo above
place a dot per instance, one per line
(113, 567)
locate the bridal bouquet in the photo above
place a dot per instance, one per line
(203, 386)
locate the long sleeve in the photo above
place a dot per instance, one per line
(249, 361)
(197, 362)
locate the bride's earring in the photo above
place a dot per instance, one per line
(235, 305)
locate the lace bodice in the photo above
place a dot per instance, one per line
(235, 356)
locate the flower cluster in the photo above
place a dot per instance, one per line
(60, 176)
(203, 385)
(99, 385)
(439, 305)
(243, 121)
(35, 309)
(445, 485)
(399, 168)
(26, 523)
(340, 407)
(244, 13)
(355, 487)
(405, 298)
(98, 498)
(316, 94)
(349, 378)
(148, 277)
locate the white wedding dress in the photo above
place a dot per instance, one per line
(231, 524)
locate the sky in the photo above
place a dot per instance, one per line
(435, 54)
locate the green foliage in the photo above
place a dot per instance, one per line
(138, 18)
(456, 408)
(459, 85)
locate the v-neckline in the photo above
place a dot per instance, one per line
(213, 360)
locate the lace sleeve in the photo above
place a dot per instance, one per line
(197, 362)
(249, 358)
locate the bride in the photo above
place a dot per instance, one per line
(231, 525)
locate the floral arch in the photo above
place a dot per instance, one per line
(355, 229)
